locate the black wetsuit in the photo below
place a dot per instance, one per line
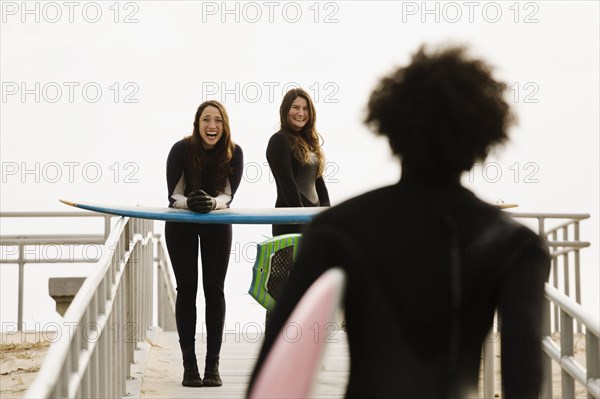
(408, 336)
(297, 184)
(215, 247)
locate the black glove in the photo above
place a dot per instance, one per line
(200, 201)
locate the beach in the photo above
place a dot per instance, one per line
(21, 356)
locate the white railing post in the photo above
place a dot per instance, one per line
(489, 357)
(592, 359)
(107, 219)
(555, 281)
(566, 349)
(565, 256)
(165, 289)
(546, 331)
(21, 288)
(577, 270)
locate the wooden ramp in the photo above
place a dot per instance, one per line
(163, 369)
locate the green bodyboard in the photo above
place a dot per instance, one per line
(274, 258)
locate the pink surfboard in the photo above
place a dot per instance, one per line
(290, 369)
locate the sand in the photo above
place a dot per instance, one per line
(21, 356)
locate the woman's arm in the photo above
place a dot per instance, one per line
(322, 192)
(237, 165)
(175, 176)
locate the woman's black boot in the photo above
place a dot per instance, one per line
(211, 373)
(191, 376)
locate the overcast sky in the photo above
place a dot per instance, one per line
(94, 94)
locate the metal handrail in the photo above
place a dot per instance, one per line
(574, 310)
(535, 215)
(561, 249)
(52, 239)
(562, 309)
(107, 218)
(563, 355)
(110, 300)
(22, 240)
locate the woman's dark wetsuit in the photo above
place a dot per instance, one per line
(215, 246)
(408, 336)
(297, 184)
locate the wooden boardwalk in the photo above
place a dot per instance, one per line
(158, 371)
(163, 369)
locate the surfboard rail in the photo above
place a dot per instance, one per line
(294, 215)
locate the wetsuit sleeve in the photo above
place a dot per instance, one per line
(322, 192)
(175, 178)
(224, 198)
(279, 156)
(178, 195)
(520, 310)
(237, 164)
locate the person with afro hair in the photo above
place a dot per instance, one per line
(428, 263)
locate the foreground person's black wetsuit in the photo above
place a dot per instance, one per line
(215, 247)
(408, 336)
(297, 184)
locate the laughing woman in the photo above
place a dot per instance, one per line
(204, 171)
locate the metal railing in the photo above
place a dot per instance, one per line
(112, 308)
(111, 314)
(564, 244)
(166, 294)
(571, 369)
(18, 245)
(563, 309)
(107, 319)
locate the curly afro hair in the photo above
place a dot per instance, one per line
(444, 111)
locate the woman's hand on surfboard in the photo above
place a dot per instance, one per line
(199, 201)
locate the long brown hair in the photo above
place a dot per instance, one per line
(208, 169)
(307, 139)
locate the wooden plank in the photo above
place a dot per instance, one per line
(164, 370)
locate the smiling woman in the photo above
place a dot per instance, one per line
(296, 158)
(204, 171)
